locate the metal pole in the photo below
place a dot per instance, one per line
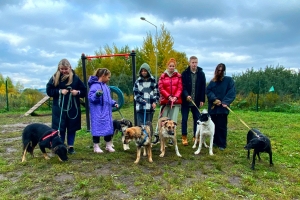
(86, 100)
(133, 54)
(156, 49)
(6, 90)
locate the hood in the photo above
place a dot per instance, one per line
(146, 67)
(166, 72)
(92, 80)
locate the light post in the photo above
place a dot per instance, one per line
(143, 18)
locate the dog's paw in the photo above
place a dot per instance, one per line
(194, 146)
(178, 154)
(211, 153)
(150, 160)
(197, 152)
(161, 155)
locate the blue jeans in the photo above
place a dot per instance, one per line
(185, 116)
(70, 137)
(220, 137)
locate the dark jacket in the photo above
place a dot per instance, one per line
(187, 86)
(224, 91)
(71, 117)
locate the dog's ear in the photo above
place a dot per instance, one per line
(175, 123)
(164, 123)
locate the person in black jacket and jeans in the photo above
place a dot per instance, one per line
(220, 94)
(66, 89)
(194, 83)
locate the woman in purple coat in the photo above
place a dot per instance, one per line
(101, 105)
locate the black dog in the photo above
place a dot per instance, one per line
(46, 137)
(121, 126)
(260, 143)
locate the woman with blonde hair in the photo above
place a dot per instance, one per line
(66, 89)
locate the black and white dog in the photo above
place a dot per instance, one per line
(260, 143)
(46, 137)
(121, 126)
(205, 128)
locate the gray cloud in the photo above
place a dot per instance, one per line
(35, 35)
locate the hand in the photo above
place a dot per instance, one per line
(74, 92)
(64, 91)
(154, 106)
(99, 93)
(217, 102)
(189, 98)
(224, 105)
(117, 105)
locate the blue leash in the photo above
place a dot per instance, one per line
(143, 129)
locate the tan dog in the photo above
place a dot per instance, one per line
(142, 135)
(167, 130)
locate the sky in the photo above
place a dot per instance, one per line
(35, 35)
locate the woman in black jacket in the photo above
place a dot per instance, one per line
(65, 87)
(220, 94)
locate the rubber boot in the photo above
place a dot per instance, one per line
(109, 147)
(97, 148)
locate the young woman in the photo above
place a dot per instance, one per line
(146, 94)
(220, 94)
(66, 89)
(101, 105)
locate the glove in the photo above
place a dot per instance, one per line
(99, 93)
(143, 103)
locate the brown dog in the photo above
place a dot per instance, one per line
(167, 130)
(142, 135)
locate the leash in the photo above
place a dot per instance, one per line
(243, 122)
(195, 105)
(121, 114)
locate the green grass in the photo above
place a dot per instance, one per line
(226, 175)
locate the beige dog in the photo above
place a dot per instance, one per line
(167, 130)
(142, 135)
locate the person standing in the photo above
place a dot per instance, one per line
(101, 105)
(146, 95)
(194, 83)
(220, 94)
(170, 90)
(66, 89)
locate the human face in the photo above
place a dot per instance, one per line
(194, 64)
(105, 78)
(144, 73)
(64, 70)
(171, 67)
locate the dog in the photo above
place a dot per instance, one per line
(46, 137)
(260, 143)
(142, 135)
(167, 130)
(121, 126)
(205, 128)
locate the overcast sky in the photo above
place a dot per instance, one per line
(36, 34)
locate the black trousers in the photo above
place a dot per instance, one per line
(220, 137)
(96, 139)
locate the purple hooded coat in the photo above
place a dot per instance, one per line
(100, 108)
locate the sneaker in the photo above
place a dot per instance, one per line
(221, 148)
(184, 140)
(71, 150)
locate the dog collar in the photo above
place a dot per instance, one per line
(50, 135)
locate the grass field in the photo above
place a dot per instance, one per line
(225, 175)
